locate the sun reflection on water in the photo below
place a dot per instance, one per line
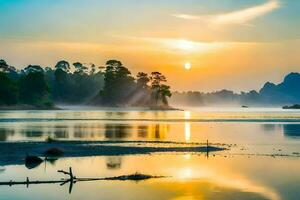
(187, 126)
(186, 173)
(187, 131)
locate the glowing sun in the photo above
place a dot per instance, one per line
(187, 66)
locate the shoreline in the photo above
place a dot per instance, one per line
(27, 107)
(77, 107)
(15, 152)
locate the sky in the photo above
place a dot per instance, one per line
(232, 44)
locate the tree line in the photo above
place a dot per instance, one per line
(80, 83)
(222, 97)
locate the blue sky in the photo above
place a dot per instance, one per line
(48, 18)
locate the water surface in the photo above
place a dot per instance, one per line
(262, 163)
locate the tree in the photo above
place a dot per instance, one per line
(164, 92)
(142, 80)
(93, 69)
(3, 66)
(63, 65)
(118, 83)
(62, 68)
(80, 69)
(33, 68)
(10, 71)
(159, 91)
(33, 88)
(8, 90)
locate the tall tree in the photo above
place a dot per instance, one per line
(3, 66)
(160, 91)
(80, 69)
(118, 83)
(142, 80)
(164, 92)
(33, 68)
(33, 88)
(10, 71)
(62, 68)
(63, 65)
(8, 90)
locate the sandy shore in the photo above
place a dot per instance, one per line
(15, 152)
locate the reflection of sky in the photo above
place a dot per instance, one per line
(234, 178)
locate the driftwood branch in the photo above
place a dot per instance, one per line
(72, 179)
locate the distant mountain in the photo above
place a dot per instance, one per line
(286, 92)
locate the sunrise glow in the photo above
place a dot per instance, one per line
(187, 66)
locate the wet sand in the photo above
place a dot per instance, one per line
(15, 152)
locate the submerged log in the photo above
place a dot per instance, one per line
(73, 179)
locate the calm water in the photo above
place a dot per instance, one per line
(263, 162)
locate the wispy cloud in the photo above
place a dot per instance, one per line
(185, 46)
(243, 16)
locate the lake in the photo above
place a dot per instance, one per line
(262, 160)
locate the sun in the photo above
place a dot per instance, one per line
(187, 66)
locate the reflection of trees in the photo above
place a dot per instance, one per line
(82, 131)
(89, 131)
(61, 132)
(4, 133)
(113, 162)
(143, 131)
(159, 131)
(269, 127)
(154, 131)
(115, 131)
(291, 130)
(32, 133)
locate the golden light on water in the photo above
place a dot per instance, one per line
(187, 115)
(187, 156)
(187, 131)
(186, 173)
(187, 126)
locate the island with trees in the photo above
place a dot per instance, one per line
(113, 85)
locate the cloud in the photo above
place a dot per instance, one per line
(185, 46)
(243, 16)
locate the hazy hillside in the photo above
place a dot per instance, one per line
(286, 92)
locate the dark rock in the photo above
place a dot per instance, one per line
(32, 161)
(54, 152)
